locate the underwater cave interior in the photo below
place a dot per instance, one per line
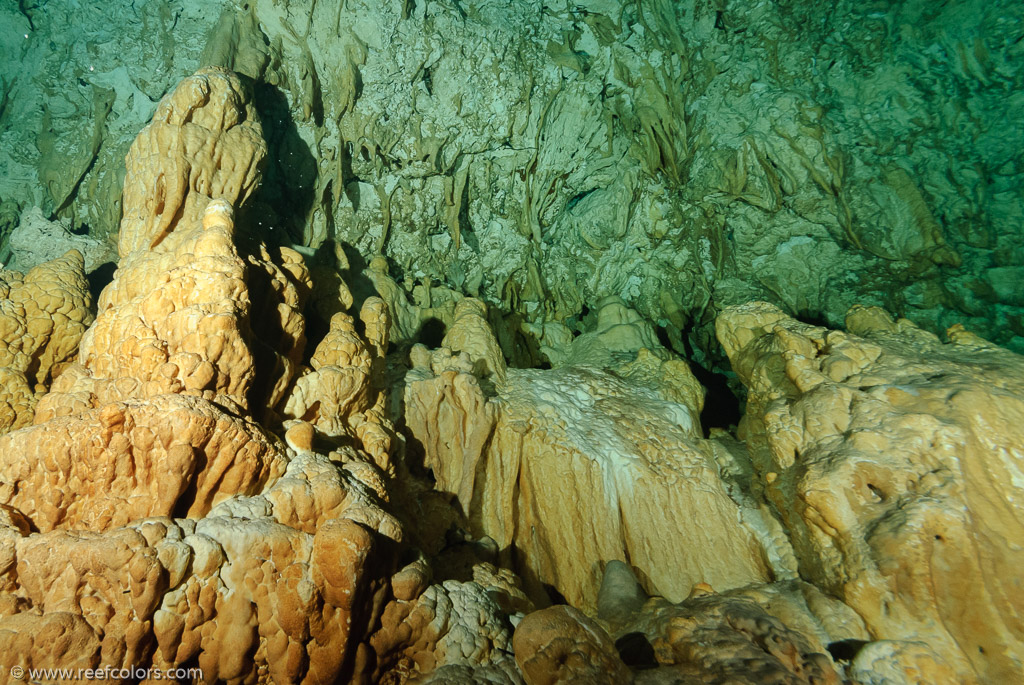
(512, 341)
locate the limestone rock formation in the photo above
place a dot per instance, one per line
(457, 630)
(340, 392)
(470, 334)
(561, 645)
(394, 364)
(205, 142)
(37, 240)
(105, 467)
(149, 518)
(715, 639)
(43, 315)
(680, 155)
(576, 466)
(226, 593)
(874, 447)
(892, 459)
(896, 661)
(773, 633)
(180, 314)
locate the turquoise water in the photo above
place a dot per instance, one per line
(681, 156)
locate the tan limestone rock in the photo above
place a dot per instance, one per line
(892, 459)
(711, 638)
(562, 645)
(340, 393)
(61, 639)
(619, 331)
(176, 321)
(181, 314)
(899, 662)
(279, 285)
(470, 333)
(577, 466)
(777, 632)
(453, 419)
(43, 315)
(204, 143)
(169, 455)
(451, 624)
(820, 619)
(234, 596)
(17, 402)
(146, 518)
(409, 317)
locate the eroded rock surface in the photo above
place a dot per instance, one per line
(680, 155)
(36, 240)
(893, 460)
(150, 519)
(341, 391)
(580, 465)
(717, 639)
(43, 315)
(180, 316)
(205, 486)
(451, 630)
(562, 645)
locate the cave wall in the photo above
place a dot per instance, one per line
(682, 156)
(604, 180)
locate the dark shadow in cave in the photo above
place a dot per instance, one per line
(318, 314)
(278, 208)
(540, 593)
(812, 318)
(467, 232)
(316, 330)
(355, 276)
(268, 337)
(636, 651)
(431, 333)
(520, 348)
(188, 497)
(554, 596)
(845, 650)
(350, 180)
(722, 407)
(99, 278)
(415, 458)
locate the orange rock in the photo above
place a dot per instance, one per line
(723, 638)
(103, 468)
(470, 333)
(573, 467)
(146, 518)
(457, 630)
(205, 142)
(339, 394)
(561, 645)
(43, 315)
(179, 315)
